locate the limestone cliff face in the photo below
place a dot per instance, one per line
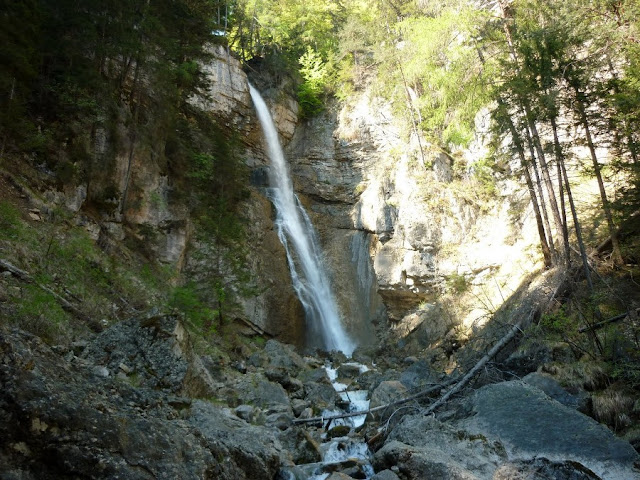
(399, 233)
(402, 236)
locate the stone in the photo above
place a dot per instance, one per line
(124, 368)
(387, 392)
(502, 412)
(418, 464)
(255, 390)
(338, 431)
(301, 445)
(339, 476)
(348, 370)
(552, 388)
(320, 395)
(543, 468)
(283, 356)
(245, 412)
(96, 427)
(385, 475)
(298, 406)
(418, 375)
(156, 348)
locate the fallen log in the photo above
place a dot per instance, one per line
(476, 368)
(21, 274)
(402, 401)
(64, 303)
(510, 335)
(604, 323)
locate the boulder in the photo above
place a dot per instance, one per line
(552, 388)
(529, 424)
(385, 475)
(418, 464)
(387, 392)
(279, 355)
(248, 451)
(418, 375)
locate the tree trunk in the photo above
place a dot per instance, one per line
(555, 211)
(517, 141)
(413, 116)
(613, 231)
(576, 224)
(560, 159)
(503, 4)
(543, 203)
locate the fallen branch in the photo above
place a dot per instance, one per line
(415, 396)
(21, 274)
(510, 335)
(604, 323)
(476, 368)
(64, 303)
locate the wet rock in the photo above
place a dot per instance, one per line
(338, 431)
(301, 445)
(340, 476)
(320, 395)
(370, 380)
(349, 370)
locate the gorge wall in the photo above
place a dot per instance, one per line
(410, 243)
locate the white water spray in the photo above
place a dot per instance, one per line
(296, 233)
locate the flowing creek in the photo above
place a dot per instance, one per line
(347, 451)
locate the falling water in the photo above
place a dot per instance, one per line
(298, 237)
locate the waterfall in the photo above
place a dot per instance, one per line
(298, 237)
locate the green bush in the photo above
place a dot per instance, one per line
(38, 312)
(10, 223)
(188, 300)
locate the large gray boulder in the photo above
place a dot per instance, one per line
(509, 430)
(530, 424)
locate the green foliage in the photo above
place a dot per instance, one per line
(556, 322)
(10, 224)
(315, 76)
(189, 300)
(457, 283)
(40, 313)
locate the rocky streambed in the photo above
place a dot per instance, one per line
(137, 402)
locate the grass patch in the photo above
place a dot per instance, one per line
(11, 226)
